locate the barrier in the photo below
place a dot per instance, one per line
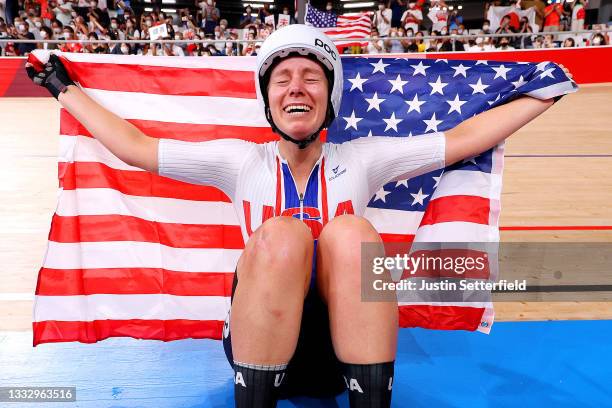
(588, 65)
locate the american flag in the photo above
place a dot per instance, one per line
(134, 254)
(356, 26)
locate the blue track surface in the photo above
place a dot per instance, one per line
(531, 364)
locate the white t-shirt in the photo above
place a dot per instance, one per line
(259, 182)
(417, 14)
(66, 17)
(438, 17)
(383, 27)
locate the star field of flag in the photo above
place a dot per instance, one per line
(398, 97)
(319, 18)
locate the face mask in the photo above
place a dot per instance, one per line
(148, 23)
(596, 41)
(125, 50)
(248, 11)
(21, 27)
(201, 33)
(504, 44)
(176, 37)
(328, 8)
(393, 34)
(38, 24)
(114, 26)
(67, 35)
(412, 5)
(43, 34)
(485, 27)
(210, 3)
(460, 31)
(285, 12)
(443, 32)
(73, 14)
(60, 2)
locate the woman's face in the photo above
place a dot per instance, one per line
(298, 96)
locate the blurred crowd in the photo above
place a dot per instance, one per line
(518, 25)
(102, 20)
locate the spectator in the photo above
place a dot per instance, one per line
(98, 19)
(421, 47)
(375, 46)
(504, 44)
(125, 49)
(210, 17)
(482, 44)
(552, 17)
(504, 28)
(286, 13)
(569, 43)
(538, 42)
(412, 18)
(452, 43)
(392, 43)
(486, 27)
(598, 39)
(22, 32)
(46, 34)
(434, 43)
(94, 48)
(398, 7)
(578, 15)
(454, 20)
(526, 41)
(72, 46)
(247, 18)
(549, 41)
(63, 12)
(382, 19)
(438, 15)
(131, 32)
(229, 49)
(513, 15)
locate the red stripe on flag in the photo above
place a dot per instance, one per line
(457, 208)
(134, 182)
(52, 331)
(440, 317)
(132, 281)
(163, 80)
(406, 238)
(69, 126)
(105, 228)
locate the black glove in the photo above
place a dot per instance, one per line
(53, 76)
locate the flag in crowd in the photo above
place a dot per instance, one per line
(353, 26)
(134, 254)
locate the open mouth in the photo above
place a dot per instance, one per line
(296, 109)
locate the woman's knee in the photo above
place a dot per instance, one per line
(280, 246)
(347, 232)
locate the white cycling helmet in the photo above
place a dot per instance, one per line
(300, 40)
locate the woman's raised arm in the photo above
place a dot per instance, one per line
(118, 135)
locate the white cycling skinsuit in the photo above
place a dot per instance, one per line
(260, 184)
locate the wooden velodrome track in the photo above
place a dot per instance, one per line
(557, 175)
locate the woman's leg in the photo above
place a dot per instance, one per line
(364, 334)
(273, 280)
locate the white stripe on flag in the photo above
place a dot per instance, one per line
(209, 110)
(393, 221)
(225, 63)
(132, 254)
(105, 201)
(91, 151)
(452, 231)
(465, 182)
(123, 307)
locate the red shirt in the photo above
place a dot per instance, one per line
(515, 22)
(553, 19)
